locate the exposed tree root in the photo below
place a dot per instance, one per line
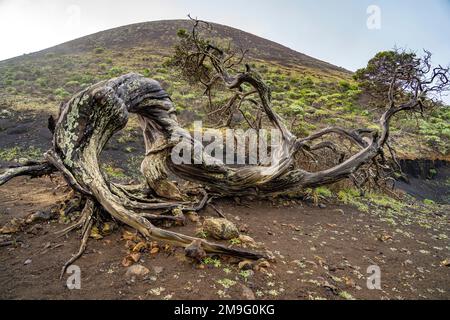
(220, 213)
(85, 214)
(85, 233)
(34, 171)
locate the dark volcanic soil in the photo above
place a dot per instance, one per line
(320, 253)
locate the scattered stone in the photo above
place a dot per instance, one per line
(220, 229)
(349, 282)
(135, 256)
(9, 229)
(247, 240)
(154, 250)
(156, 291)
(445, 263)
(158, 270)
(384, 237)
(127, 261)
(299, 264)
(247, 293)
(38, 216)
(263, 264)
(245, 265)
(193, 216)
(28, 261)
(13, 226)
(35, 229)
(322, 206)
(178, 213)
(137, 270)
(330, 287)
(141, 246)
(244, 228)
(195, 251)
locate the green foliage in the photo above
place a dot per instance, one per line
(352, 197)
(245, 274)
(226, 283)
(72, 84)
(99, 50)
(317, 194)
(42, 82)
(212, 261)
(146, 72)
(307, 98)
(61, 92)
(15, 153)
(380, 71)
(114, 172)
(345, 295)
(182, 33)
(115, 71)
(433, 173)
(436, 130)
(201, 234)
(323, 192)
(235, 241)
(344, 85)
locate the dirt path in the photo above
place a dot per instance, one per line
(320, 253)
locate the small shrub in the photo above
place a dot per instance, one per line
(72, 84)
(146, 72)
(99, 50)
(61, 93)
(42, 82)
(211, 261)
(344, 85)
(323, 192)
(115, 71)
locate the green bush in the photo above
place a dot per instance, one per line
(146, 72)
(115, 71)
(42, 82)
(344, 85)
(72, 84)
(61, 93)
(323, 192)
(99, 50)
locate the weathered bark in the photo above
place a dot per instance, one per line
(34, 171)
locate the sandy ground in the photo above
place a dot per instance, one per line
(320, 254)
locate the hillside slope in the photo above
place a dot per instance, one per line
(308, 93)
(161, 36)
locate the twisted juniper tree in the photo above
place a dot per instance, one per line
(89, 119)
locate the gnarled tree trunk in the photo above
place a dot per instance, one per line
(91, 117)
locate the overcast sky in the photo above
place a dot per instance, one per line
(331, 30)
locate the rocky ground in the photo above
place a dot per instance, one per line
(320, 253)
